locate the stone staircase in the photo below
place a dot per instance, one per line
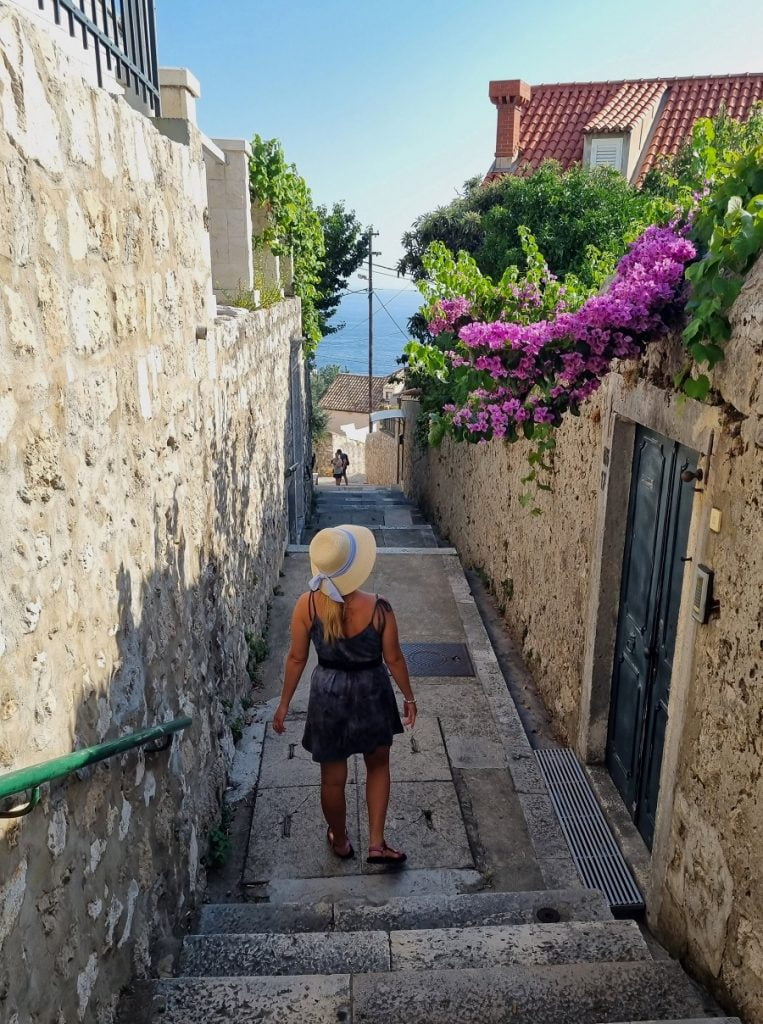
(441, 959)
(328, 942)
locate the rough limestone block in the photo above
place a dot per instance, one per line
(309, 1000)
(424, 819)
(571, 994)
(288, 837)
(270, 954)
(502, 946)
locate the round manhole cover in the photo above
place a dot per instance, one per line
(547, 915)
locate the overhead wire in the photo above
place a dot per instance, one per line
(384, 307)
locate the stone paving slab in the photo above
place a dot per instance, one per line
(461, 910)
(328, 952)
(418, 755)
(551, 850)
(498, 834)
(285, 762)
(308, 999)
(417, 586)
(570, 994)
(424, 819)
(398, 517)
(451, 702)
(543, 824)
(375, 887)
(288, 836)
(245, 770)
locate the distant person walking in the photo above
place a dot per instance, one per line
(337, 467)
(346, 464)
(352, 707)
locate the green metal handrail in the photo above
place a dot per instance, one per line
(31, 778)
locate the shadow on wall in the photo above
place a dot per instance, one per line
(105, 870)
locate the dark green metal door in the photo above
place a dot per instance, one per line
(653, 566)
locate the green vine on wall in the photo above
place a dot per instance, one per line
(729, 227)
(716, 182)
(294, 225)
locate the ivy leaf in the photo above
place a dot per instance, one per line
(437, 431)
(697, 387)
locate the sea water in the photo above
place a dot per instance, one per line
(348, 348)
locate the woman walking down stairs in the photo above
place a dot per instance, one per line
(487, 921)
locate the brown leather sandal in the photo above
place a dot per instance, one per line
(385, 854)
(342, 850)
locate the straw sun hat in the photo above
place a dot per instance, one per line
(341, 560)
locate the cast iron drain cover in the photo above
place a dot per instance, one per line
(438, 659)
(547, 915)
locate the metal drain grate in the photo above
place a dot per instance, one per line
(438, 659)
(593, 847)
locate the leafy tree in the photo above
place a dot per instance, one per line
(321, 379)
(566, 211)
(346, 246)
(689, 169)
(295, 226)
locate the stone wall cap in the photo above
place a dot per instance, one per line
(210, 149)
(234, 145)
(180, 78)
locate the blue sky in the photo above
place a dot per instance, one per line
(384, 105)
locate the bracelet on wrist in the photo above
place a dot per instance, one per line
(405, 701)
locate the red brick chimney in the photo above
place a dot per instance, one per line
(509, 98)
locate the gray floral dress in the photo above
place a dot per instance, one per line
(352, 707)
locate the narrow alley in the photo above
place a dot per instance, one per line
(489, 921)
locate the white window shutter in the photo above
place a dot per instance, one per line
(607, 153)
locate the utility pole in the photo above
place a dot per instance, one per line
(371, 235)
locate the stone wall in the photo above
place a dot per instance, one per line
(328, 444)
(142, 464)
(706, 871)
(382, 459)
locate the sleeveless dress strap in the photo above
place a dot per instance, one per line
(381, 608)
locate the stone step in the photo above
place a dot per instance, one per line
(363, 952)
(439, 910)
(311, 999)
(374, 888)
(267, 953)
(685, 1020)
(594, 993)
(464, 910)
(526, 944)
(577, 994)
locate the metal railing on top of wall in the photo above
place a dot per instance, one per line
(121, 34)
(157, 737)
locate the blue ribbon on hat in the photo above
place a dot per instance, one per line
(328, 577)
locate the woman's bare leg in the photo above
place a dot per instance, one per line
(333, 803)
(377, 793)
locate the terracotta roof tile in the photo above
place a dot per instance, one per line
(630, 103)
(558, 116)
(690, 98)
(348, 392)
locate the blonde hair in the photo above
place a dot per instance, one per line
(331, 614)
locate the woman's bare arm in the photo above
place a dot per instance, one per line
(296, 660)
(396, 663)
